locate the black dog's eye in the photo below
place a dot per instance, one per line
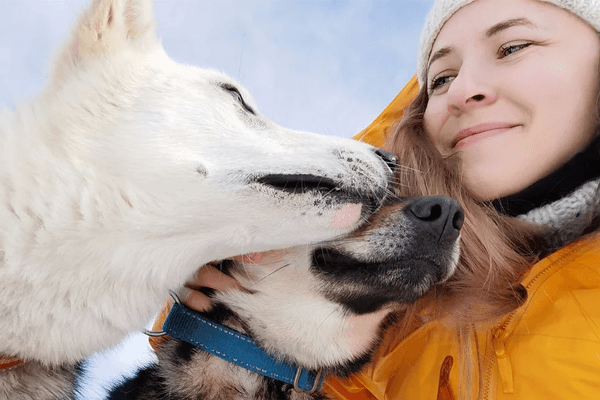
(238, 96)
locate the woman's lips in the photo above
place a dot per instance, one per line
(476, 133)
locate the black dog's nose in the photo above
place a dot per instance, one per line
(438, 215)
(389, 158)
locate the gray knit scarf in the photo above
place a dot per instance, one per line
(567, 201)
(569, 217)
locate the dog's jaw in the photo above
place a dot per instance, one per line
(362, 329)
(284, 311)
(325, 307)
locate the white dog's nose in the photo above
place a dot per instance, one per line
(389, 158)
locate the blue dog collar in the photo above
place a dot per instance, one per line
(193, 328)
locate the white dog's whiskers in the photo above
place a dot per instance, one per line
(269, 274)
(327, 317)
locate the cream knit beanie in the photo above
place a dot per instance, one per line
(442, 10)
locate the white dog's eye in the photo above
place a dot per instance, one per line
(238, 96)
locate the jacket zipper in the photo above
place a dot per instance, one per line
(489, 376)
(498, 353)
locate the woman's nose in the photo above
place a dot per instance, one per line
(472, 88)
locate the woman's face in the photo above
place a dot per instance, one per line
(513, 86)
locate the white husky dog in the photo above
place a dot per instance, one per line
(129, 172)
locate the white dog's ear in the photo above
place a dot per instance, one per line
(107, 26)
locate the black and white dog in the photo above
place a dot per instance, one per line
(320, 309)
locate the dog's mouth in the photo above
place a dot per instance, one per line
(326, 187)
(365, 287)
(299, 183)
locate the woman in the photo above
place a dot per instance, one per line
(506, 121)
(508, 106)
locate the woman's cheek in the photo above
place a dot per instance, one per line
(433, 120)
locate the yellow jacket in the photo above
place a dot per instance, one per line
(376, 133)
(547, 349)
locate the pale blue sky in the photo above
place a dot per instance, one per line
(324, 66)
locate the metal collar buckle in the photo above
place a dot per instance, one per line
(150, 333)
(315, 386)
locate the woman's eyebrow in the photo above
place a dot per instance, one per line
(501, 26)
(441, 53)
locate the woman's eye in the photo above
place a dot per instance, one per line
(439, 82)
(511, 48)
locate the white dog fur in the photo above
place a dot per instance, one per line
(130, 171)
